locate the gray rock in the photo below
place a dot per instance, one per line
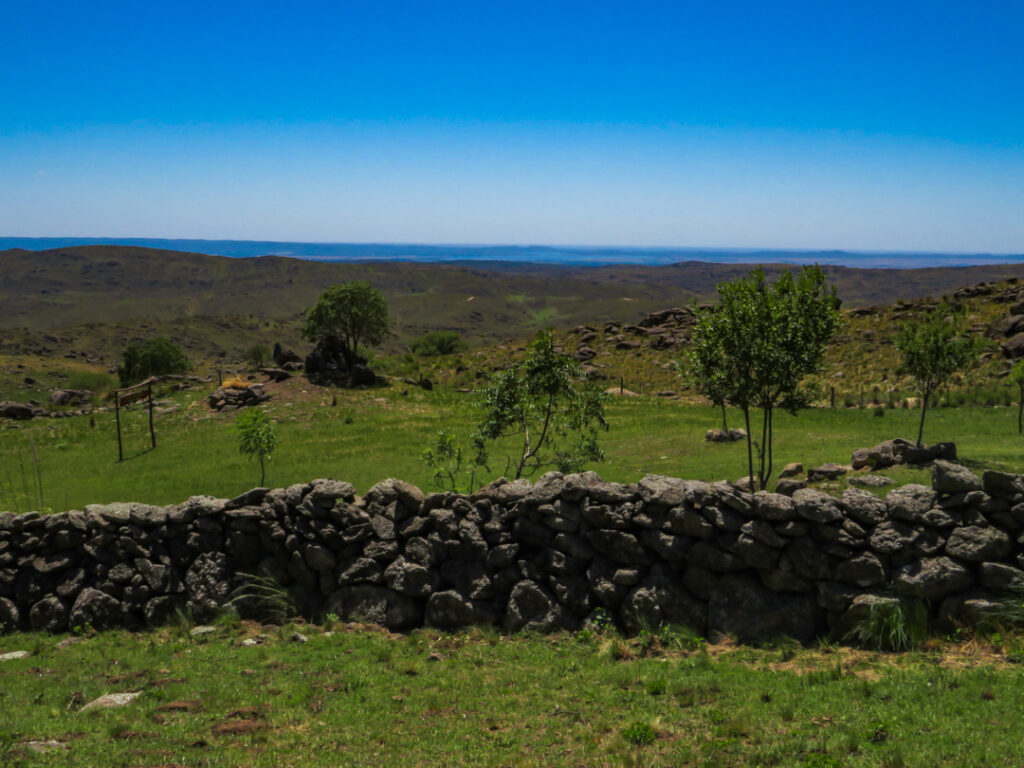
(9, 615)
(503, 491)
(207, 581)
(111, 701)
(792, 469)
(754, 553)
(742, 607)
(659, 489)
(948, 477)
(831, 471)
(97, 609)
(975, 543)
(816, 506)
(864, 570)
(689, 522)
(763, 532)
(374, 605)
(392, 489)
(892, 537)
(49, 615)
(932, 578)
(618, 546)
(871, 481)
(1000, 577)
(910, 502)
(450, 610)
(864, 507)
(787, 486)
(408, 578)
(776, 507)
(532, 609)
(1002, 484)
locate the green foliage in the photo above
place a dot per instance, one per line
(892, 625)
(256, 437)
(932, 349)
(439, 343)
(347, 314)
(758, 344)
(258, 354)
(262, 597)
(445, 458)
(553, 415)
(639, 733)
(153, 357)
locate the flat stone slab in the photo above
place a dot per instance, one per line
(13, 655)
(111, 701)
(42, 747)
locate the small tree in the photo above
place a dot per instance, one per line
(258, 354)
(1017, 377)
(256, 438)
(933, 348)
(153, 357)
(445, 456)
(540, 403)
(347, 315)
(755, 347)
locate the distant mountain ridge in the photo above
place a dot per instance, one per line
(485, 300)
(540, 254)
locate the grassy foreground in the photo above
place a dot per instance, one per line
(360, 696)
(365, 436)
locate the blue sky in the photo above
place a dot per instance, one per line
(862, 125)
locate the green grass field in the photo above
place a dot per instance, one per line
(359, 697)
(371, 434)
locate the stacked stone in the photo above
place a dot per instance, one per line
(526, 556)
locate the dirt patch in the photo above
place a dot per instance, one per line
(238, 727)
(180, 706)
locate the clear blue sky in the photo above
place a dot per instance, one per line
(859, 125)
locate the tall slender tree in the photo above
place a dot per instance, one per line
(756, 346)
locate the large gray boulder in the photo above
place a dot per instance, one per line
(817, 506)
(910, 502)
(950, 478)
(96, 609)
(9, 615)
(742, 607)
(49, 615)
(530, 608)
(450, 610)
(932, 578)
(975, 543)
(207, 581)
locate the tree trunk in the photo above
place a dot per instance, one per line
(263, 473)
(725, 424)
(765, 417)
(924, 410)
(750, 450)
(769, 448)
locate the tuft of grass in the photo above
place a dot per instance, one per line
(893, 625)
(639, 733)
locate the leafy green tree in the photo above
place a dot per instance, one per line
(446, 457)
(258, 355)
(542, 404)
(153, 357)
(438, 343)
(757, 345)
(1017, 377)
(933, 348)
(256, 437)
(347, 315)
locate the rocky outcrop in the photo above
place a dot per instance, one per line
(540, 556)
(232, 398)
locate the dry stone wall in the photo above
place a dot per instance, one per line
(524, 556)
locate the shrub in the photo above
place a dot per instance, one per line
(438, 343)
(892, 625)
(153, 357)
(638, 733)
(258, 354)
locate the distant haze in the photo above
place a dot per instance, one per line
(565, 255)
